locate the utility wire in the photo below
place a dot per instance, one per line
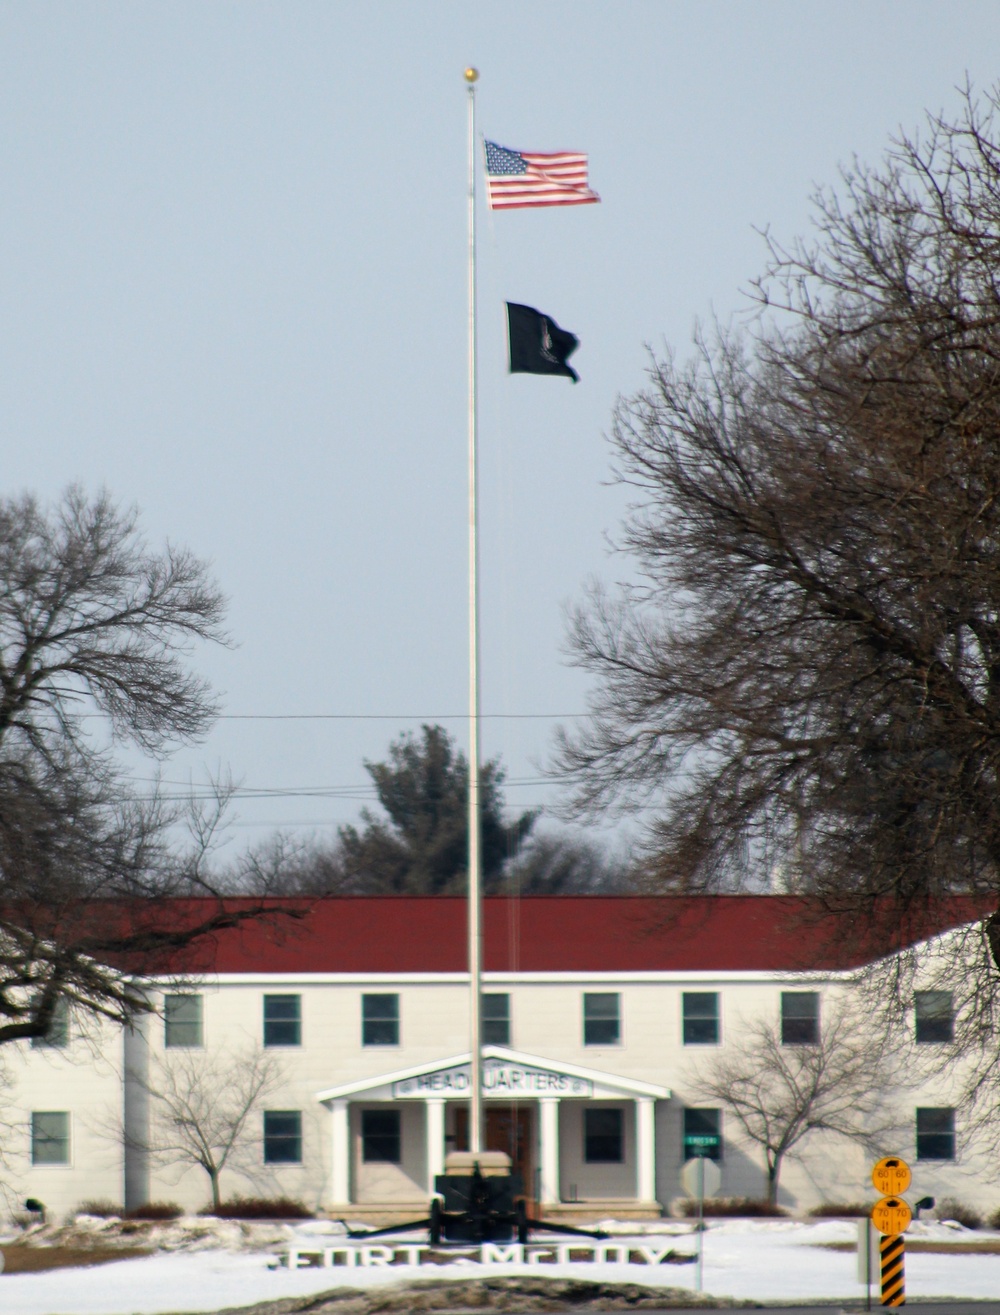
(388, 716)
(360, 795)
(364, 787)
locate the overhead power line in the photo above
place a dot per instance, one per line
(183, 792)
(394, 716)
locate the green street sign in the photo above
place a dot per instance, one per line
(702, 1143)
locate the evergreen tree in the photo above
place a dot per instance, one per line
(421, 846)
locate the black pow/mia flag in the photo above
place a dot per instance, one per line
(537, 344)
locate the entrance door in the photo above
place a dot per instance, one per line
(508, 1128)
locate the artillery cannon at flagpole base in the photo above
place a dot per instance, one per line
(477, 1199)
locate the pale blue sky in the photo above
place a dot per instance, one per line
(233, 291)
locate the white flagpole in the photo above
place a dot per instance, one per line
(475, 884)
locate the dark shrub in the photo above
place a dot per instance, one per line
(101, 1209)
(156, 1210)
(962, 1214)
(730, 1206)
(840, 1210)
(259, 1207)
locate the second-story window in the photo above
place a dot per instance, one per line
(182, 1021)
(601, 1018)
(799, 1018)
(701, 1018)
(282, 1020)
(380, 1020)
(496, 1020)
(57, 1035)
(935, 1018)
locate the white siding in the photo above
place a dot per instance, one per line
(86, 1080)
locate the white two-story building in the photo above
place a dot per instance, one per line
(597, 1015)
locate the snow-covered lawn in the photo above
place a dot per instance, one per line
(762, 1259)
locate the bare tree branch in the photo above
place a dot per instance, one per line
(95, 634)
(807, 674)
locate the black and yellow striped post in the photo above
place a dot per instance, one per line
(891, 1216)
(891, 1251)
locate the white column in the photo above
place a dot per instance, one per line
(645, 1148)
(340, 1147)
(135, 1109)
(548, 1136)
(435, 1141)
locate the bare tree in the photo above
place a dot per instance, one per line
(808, 673)
(282, 864)
(547, 864)
(88, 613)
(553, 863)
(95, 632)
(781, 1094)
(203, 1111)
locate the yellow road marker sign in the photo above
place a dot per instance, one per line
(891, 1216)
(891, 1176)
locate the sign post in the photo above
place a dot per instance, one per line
(891, 1216)
(869, 1270)
(700, 1177)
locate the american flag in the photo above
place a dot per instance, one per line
(517, 179)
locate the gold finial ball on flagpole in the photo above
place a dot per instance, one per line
(471, 74)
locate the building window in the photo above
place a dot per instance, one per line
(934, 1015)
(702, 1134)
(49, 1137)
(182, 1021)
(701, 1018)
(496, 1020)
(935, 1134)
(380, 1137)
(282, 1020)
(601, 1019)
(380, 1020)
(57, 1036)
(799, 1018)
(282, 1137)
(603, 1136)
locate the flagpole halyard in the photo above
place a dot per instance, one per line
(475, 927)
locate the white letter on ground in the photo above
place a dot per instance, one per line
(491, 1254)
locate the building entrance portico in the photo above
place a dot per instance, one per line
(538, 1105)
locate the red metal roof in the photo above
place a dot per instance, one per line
(589, 933)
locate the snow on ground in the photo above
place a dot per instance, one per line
(776, 1260)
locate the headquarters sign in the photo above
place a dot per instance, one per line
(501, 1079)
